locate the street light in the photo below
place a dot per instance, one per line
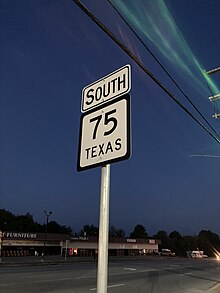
(45, 234)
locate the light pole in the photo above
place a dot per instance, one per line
(45, 234)
(66, 248)
(1, 241)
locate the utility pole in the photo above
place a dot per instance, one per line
(216, 97)
(212, 71)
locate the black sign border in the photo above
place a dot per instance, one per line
(128, 153)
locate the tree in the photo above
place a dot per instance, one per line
(116, 233)
(139, 232)
(21, 223)
(208, 241)
(120, 233)
(174, 241)
(191, 243)
(54, 227)
(26, 223)
(175, 235)
(177, 243)
(7, 220)
(89, 231)
(162, 235)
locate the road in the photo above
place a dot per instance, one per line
(147, 275)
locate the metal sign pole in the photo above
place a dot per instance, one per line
(103, 231)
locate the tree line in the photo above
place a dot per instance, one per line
(25, 223)
(206, 240)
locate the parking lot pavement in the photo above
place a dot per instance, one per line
(55, 259)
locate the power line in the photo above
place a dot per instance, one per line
(163, 68)
(141, 65)
(205, 156)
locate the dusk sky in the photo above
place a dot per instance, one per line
(49, 51)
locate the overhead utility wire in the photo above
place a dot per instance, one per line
(161, 65)
(141, 65)
(205, 156)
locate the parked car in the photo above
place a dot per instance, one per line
(196, 254)
(167, 252)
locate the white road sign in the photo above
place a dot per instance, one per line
(105, 134)
(111, 86)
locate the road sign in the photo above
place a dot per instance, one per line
(111, 86)
(105, 134)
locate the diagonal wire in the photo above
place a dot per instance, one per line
(163, 68)
(141, 65)
(205, 156)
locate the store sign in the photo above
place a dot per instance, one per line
(19, 235)
(151, 241)
(81, 238)
(131, 240)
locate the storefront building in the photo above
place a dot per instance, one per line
(88, 246)
(28, 244)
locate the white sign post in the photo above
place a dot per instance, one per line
(104, 139)
(102, 274)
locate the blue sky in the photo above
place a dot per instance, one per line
(49, 51)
